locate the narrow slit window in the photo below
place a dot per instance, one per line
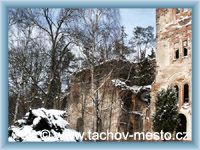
(177, 54)
(186, 93)
(185, 48)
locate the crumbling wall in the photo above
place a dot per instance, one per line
(118, 106)
(82, 107)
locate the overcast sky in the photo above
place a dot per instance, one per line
(131, 18)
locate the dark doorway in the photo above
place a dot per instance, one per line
(182, 124)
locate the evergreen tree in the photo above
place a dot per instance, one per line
(142, 40)
(146, 70)
(121, 49)
(166, 115)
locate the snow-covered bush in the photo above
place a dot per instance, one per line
(43, 125)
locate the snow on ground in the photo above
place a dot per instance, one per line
(123, 86)
(42, 125)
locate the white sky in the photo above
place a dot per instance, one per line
(131, 18)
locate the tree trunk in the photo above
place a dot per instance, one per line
(93, 94)
(16, 108)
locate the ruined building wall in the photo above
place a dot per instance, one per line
(120, 109)
(82, 110)
(174, 58)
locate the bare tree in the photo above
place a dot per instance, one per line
(55, 25)
(25, 65)
(57, 28)
(96, 32)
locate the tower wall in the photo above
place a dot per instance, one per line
(174, 58)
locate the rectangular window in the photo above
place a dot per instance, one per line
(176, 50)
(185, 51)
(177, 54)
(185, 48)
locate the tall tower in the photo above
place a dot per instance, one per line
(174, 61)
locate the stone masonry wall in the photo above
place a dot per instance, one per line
(174, 57)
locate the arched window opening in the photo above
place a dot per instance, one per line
(186, 93)
(181, 126)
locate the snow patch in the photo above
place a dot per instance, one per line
(38, 122)
(135, 88)
(186, 105)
